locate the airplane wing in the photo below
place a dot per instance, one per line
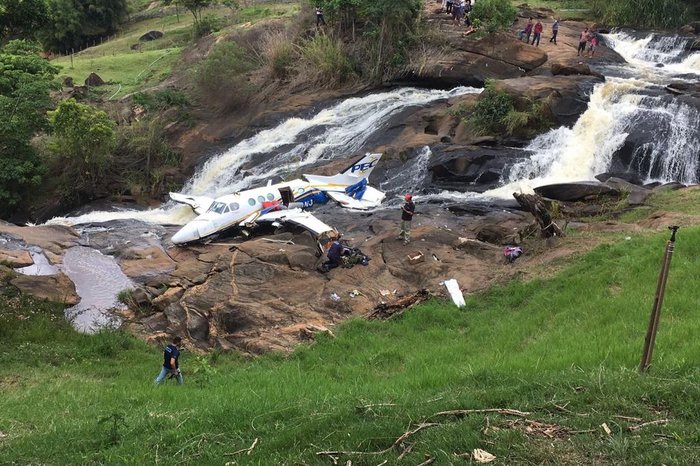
(199, 204)
(371, 198)
(297, 217)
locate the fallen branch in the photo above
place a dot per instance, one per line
(464, 412)
(629, 418)
(427, 462)
(535, 205)
(247, 451)
(396, 443)
(647, 424)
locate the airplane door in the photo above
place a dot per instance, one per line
(287, 195)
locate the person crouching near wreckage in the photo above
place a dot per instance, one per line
(335, 251)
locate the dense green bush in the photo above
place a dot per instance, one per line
(82, 143)
(25, 83)
(491, 109)
(642, 13)
(493, 15)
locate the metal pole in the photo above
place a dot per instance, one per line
(658, 301)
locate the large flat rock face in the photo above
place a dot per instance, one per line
(267, 294)
(56, 288)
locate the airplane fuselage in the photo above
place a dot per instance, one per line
(241, 210)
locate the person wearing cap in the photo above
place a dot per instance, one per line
(407, 212)
(171, 366)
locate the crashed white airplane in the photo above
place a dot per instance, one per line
(280, 203)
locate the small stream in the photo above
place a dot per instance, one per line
(98, 280)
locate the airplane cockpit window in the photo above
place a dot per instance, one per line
(233, 206)
(270, 197)
(217, 207)
(251, 201)
(261, 199)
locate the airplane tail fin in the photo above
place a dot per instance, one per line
(363, 167)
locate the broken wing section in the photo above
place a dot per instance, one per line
(199, 204)
(371, 198)
(297, 217)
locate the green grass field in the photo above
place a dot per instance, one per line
(127, 71)
(565, 350)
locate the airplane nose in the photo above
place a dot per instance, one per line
(187, 234)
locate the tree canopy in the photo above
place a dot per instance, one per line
(75, 23)
(25, 82)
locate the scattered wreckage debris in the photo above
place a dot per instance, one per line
(395, 308)
(535, 205)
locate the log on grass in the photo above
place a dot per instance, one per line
(535, 205)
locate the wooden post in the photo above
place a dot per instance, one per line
(72, 51)
(658, 301)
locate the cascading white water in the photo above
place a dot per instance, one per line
(335, 132)
(670, 51)
(667, 131)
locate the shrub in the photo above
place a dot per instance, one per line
(278, 53)
(324, 61)
(491, 109)
(220, 78)
(207, 25)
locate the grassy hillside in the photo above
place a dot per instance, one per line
(565, 350)
(127, 70)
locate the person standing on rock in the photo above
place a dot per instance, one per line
(527, 31)
(582, 40)
(171, 366)
(555, 31)
(592, 45)
(538, 33)
(407, 211)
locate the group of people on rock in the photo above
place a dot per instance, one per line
(588, 40)
(535, 31)
(460, 10)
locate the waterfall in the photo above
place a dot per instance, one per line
(333, 133)
(663, 132)
(647, 52)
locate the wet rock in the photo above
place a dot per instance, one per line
(56, 288)
(151, 35)
(579, 69)
(470, 168)
(170, 296)
(94, 80)
(576, 191)
(140, 262)
(52, 238)
(629, 177)
(669, 186)
(16, 258)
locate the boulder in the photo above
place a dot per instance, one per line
(629, 177)
(145, 261)
(16, 258)
(470, 62)
(579, 69)
(68, 81)
(56, 288)
(566, 96)
(576, 191)
(470, 168)
(94, 80)
(151, 35)
(170, 296)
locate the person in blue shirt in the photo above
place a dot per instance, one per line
(335, 253)
(171, 366)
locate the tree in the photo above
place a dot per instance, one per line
(196, 7)
(21, 18)
(494, 15)
(83, 140)
(75, 23)
(25, 82)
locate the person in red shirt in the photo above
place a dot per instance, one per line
(537, 33)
